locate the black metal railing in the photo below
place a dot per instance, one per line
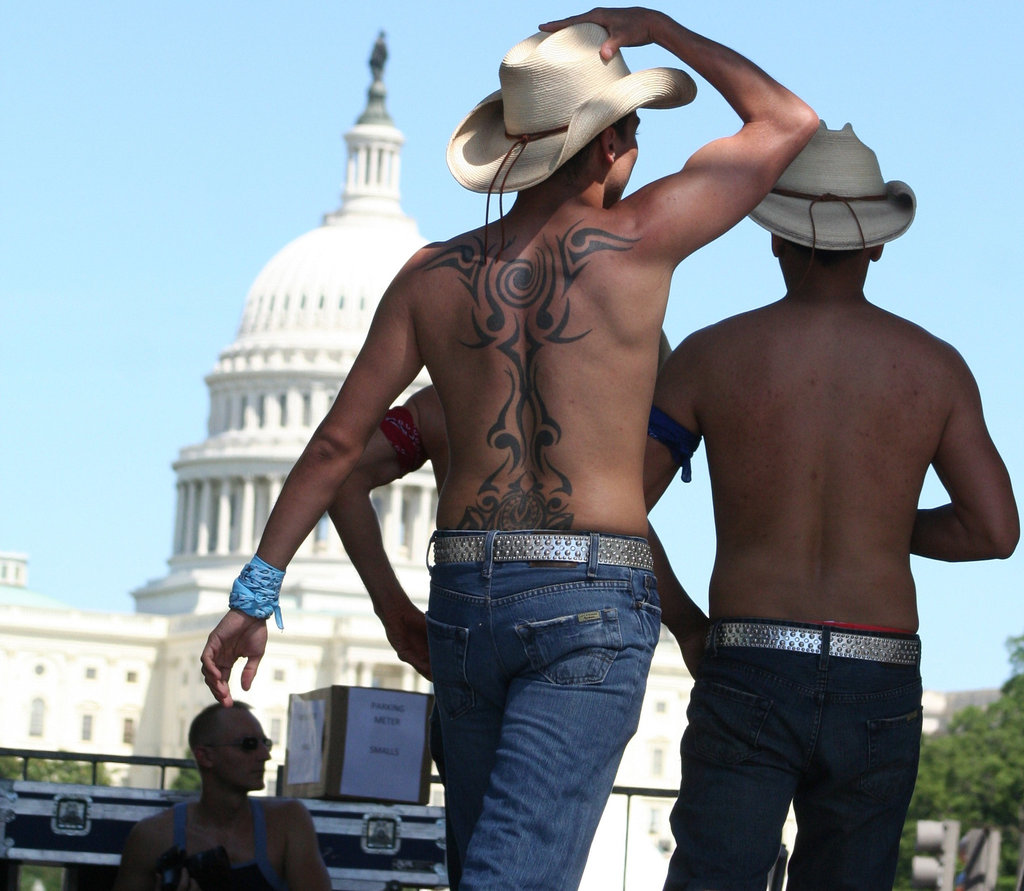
(28, 755)
(163, 764)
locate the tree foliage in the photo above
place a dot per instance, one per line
(45, 770)
(974, 773)
(187, 779)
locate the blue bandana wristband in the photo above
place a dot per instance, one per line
(256, 590)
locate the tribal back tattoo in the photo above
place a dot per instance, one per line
(520, 307)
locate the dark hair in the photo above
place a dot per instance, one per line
(825, 258)
(574, 166)
(204, 724)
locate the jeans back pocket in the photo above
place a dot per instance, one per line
(573, 650)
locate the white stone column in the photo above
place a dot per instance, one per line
(249, 417)
(272, 411)
(260, 509)
(190, 517)
(294, 400)
(424, 521)
(321, 403)
(245, 528)
(235, 418)
(224, 517)
(390, 523)
(178, 547)
(203, 518)
(274, 485)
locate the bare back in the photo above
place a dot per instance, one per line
(820, 422)
(544, 361)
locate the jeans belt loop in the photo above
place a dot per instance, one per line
(826, 638)
(592, 559)
(710, 644)
(488, 559)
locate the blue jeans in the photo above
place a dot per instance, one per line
(837, 737)
(436, 742)
(539, 675)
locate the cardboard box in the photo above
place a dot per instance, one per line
(358, 744)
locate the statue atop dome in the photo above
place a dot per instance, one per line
(375, 112)
(378, 57)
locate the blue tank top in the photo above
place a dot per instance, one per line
(257, 874)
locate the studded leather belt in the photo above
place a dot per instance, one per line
(875, 647)
(614, 550)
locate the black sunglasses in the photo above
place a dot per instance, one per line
(246, 743)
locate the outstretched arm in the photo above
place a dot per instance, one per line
(356, 521)
(980, 522)
(386, 364)
(723, 181)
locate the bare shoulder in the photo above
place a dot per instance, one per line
(146, 841)
(710, 341)
(940, 356)
(461, 249)
(156, 832)
(286, 813)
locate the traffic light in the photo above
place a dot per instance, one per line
(939, 840)
(979, 849)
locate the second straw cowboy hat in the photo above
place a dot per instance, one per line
(557, 94)
(832, 197)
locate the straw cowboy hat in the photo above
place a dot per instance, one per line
(557, 94)
(832, 197)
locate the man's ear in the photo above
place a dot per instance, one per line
(778, 245)
(201, 754)
(876, 252)
(609, 142)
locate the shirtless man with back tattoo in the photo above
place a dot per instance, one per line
(540, 332)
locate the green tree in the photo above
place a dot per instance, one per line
(55, 770)
(974, 773)
(51, 877)
(187, 779)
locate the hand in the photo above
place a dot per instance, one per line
(692, 647)
(236, 636)
(407, 632)
(626, 27)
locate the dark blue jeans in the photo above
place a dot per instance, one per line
(837, 737)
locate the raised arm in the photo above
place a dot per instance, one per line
(356, 521)
(723, 181)
(980, 522)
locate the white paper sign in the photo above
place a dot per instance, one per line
(305, 740)
(384, 744)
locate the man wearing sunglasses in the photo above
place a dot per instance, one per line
(226, 838)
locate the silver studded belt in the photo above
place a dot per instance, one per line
(807, 639)
(614, 550)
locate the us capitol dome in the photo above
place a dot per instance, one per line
(305, 318)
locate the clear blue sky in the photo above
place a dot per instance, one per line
(154, 157)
